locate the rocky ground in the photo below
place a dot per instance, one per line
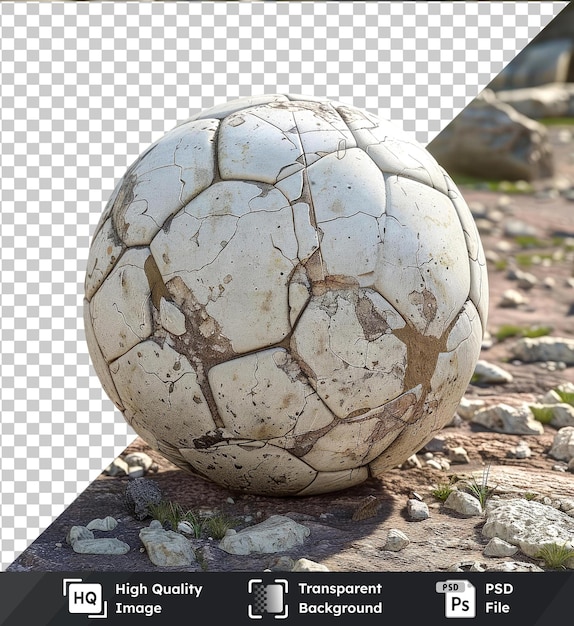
(529, 240)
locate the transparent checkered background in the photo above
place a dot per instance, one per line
(85, 87)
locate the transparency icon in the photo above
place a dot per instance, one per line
(267, 598)
(86, 598)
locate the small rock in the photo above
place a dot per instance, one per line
(467, 408)
(498, 547)
(490, 374)
(434, 464)
(512, 299)
(275, 534)
(504, 418)
(562, 448)
(526, 280)
(561, 414)
(77, 533)
(530, 350)
(185, 527)
(106, 545)
(550, 397)
(306, 565)
(166, 548)
(467, 566)
(463, 503)
(140, 493)
(282, 564)
(412, 462)
(514, 566)
(458, 455)
(139, 459)
(136, 471)
(517, 228)
(478, 209)
(489, 137)
(549, 282)
(396, 540)
(528, 524)
(107, 523)
(118, 467)
(417, 510)
(521, 451)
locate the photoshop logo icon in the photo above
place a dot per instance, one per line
(268, 599)
(85, 598)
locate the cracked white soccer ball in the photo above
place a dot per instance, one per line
(285, 296)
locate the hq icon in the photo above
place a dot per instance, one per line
(85, 598)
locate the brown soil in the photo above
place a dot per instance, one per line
(337, 541)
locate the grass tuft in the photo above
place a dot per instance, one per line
(513, 330)
(555, 555)
(480, 490)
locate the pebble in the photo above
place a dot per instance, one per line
(490, 374)
(118, 467)
(520, 451)
(139, 459)
(306, 565)
(513, 420)
(417, 510)
(434, 464)
(545, 349)
(166, 548)
(518, 228)
(463, 503)
(511, 298)
(140, 493)
(498, 547)
(458, 455)
(104, 545)
(107, 523)
(396, 540)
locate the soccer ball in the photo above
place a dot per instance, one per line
(285, 296)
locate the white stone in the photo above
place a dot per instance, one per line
(463, 503)
(78, 532)
(306, 565)
(275, 534)
(511, 298)
(562, 447)
(468, 407)
(107, 523)
(103, 545)
(396, 540)
(458, 455)
(417, 510)
(561, 414)
(529, 525)
(139, 459)
(513, 420)
(521, 451)
(434, 464)
(118, 467)
(185, 527)
(166, 548)
(544, 349)
(489, 373)
(498, 547)
(286, 295)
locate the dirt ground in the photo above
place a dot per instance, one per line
(337, 541)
